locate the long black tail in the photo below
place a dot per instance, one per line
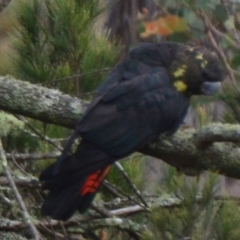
(75, 183)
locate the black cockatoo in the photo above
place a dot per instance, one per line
(147, 94)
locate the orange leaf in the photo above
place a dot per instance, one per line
(150, 29)
(171, 21)
(165, 26)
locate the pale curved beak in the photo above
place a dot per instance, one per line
(210, 88)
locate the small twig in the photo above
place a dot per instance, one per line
(95, 221)
(18, 166)
(128, 210)
(55, 234)
(89, 93)
(112, 189)
(132, 185)
(221, 54)
(233, 30)
(37, 136)
(216, 47)
(18, 197)
(41, 136)
(75, 76)
(102, 211)
(6, 224)
(220, 34)
(5, 200)
(123, 193)
(32, 156)
(22, 182)
(217, 133)
(63, 228)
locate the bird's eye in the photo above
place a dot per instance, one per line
(205, 74)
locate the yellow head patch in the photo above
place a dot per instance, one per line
(190, 49)
(180, 71)
(203, 61)
(180, 86)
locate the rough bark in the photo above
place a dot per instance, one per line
(181, 150)
(212, 148)
(47, 105)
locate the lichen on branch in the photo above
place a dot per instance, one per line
(183, 150)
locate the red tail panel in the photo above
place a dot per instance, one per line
(94, 180)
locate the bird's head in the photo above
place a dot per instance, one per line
(196, 70)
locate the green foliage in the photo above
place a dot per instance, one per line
(190, 12)
(60, 40)
(231, 97)
(56, 40)
(133, 166)
(197, 216)
(9, 124)
(226, 225)
(11, 236)
(205, 114)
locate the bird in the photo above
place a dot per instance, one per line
(146, 94)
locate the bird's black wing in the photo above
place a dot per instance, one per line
(125, 119)
(134, 106)
(146, 60)
(144, 96)
(133, 113)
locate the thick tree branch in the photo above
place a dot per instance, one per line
(32, 156)
(217, 133)
(47, 105)
(181, 150)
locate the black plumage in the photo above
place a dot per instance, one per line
(145, 95)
